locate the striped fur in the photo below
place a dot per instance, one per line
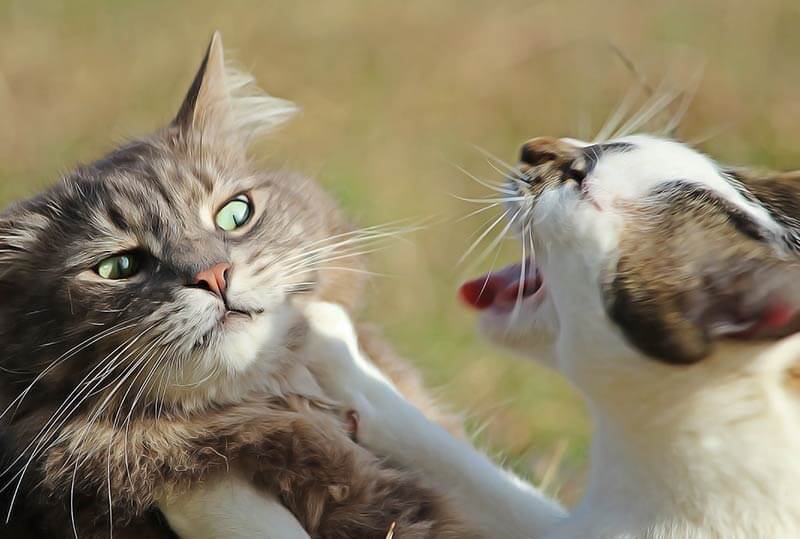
(120, 393)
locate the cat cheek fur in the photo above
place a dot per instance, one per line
(680, 252)
(124, 390)
(693, 270)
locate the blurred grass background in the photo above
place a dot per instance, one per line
(394, 94)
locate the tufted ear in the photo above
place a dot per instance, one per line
(692, 270)
(225, 102)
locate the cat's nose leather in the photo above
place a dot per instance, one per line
(214, 279)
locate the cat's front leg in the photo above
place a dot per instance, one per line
(498, 503)
(230, 506)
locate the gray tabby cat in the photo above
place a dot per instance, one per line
(152, 336)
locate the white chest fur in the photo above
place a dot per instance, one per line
(709, 451)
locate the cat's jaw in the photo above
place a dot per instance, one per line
(251, 355)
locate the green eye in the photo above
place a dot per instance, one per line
(234, 213)
(118, 267)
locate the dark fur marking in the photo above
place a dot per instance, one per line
(686, 190)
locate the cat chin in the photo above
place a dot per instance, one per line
(529, 331)
(249, 356)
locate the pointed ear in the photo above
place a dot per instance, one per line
(225, 102)
(208, 90)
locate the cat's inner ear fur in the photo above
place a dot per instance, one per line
(223, 103)
(690, 271)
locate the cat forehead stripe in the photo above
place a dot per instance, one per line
(657, 161)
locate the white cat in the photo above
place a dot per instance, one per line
(664, 288)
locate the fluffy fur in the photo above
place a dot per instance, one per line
(664, 287)
(122, 394)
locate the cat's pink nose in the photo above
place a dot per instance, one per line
(214, 279)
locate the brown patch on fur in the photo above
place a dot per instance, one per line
(778, 192)
(689, 261)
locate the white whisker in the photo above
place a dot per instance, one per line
(480, 238)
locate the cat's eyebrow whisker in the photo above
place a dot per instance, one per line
(617, 116)
(652, 108)
(684, 104)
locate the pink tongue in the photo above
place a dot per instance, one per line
(501, 288)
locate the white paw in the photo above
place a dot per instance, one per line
(335, 358)
(329, 322)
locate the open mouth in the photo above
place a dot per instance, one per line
(503, 289)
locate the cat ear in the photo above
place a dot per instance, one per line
(691, 271)
(208, 92)
(225, 102)
(676, 317)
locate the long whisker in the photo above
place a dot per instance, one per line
(481, 237)
(617, 116)
(683, 107)
(476, 212)
(499, 188)
(653, 107)
(490, 200)
(70, 399)
(59, 418)
(500, 237)
(65, 356)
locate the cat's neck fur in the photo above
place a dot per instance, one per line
(708, 451)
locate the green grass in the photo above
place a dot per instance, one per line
(393, 93)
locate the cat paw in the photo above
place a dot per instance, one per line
(334, 357)
(329, 323)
